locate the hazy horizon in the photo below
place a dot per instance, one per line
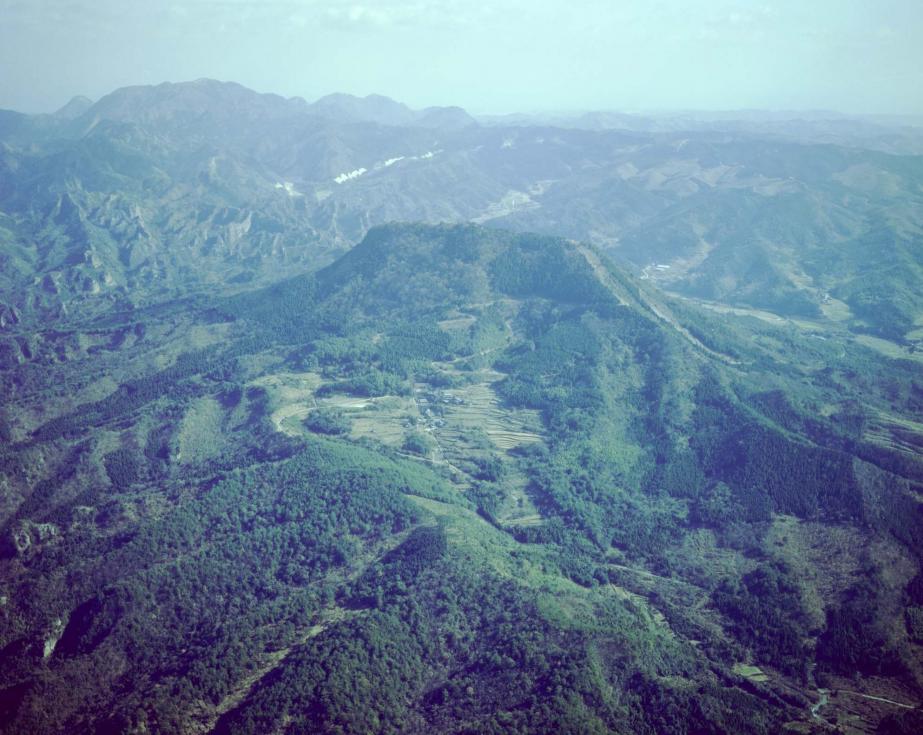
(852, 57)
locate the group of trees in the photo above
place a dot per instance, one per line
(178, 381)
(450, 647)
(765, 612)
(227, 575)
(328, 421)
(254, 551)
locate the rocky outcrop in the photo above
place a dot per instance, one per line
(9, 316)
(29, 535)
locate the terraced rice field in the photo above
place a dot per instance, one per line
(480, 409)
(460, 417)
(384, 419)
(519, 510)
(291, 398)
(896, 432)
(464, 423)
(457, 323)
(753, 673)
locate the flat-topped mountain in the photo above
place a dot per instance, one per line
(460, 480)
(176, 188)
(210, 102)
(385, 111)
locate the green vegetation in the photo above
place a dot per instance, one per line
(122, 467)
(765, 610)
(419, 443)
(328, 421)
(228, 576)
(459, 481)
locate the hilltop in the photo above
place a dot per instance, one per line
(158, 192)
(459, 480)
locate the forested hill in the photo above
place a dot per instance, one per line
(459, 481)
(154, 193)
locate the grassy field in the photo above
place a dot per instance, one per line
(291, 398)
(748, 671)
(895, 432)
(200, 435)
(386, 419)
(888, 348)
(836, 310)
(466, 423)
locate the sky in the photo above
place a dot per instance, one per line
(489, 56)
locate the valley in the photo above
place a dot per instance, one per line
(792, 225)
(345, 417)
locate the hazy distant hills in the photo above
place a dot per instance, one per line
(385, 111)
(164, 190)
(229, 114)
(899, 134)
(74, 108)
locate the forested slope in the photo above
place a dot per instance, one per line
(461, 480)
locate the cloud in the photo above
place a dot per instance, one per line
(349, 15)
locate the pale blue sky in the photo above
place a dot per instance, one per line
(507, 55)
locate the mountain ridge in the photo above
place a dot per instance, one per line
(749, 221)
(453, 464)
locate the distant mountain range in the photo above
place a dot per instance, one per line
(343, 417)
(160, 191)
(899, 134)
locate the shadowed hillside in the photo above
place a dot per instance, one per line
(459, 480)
